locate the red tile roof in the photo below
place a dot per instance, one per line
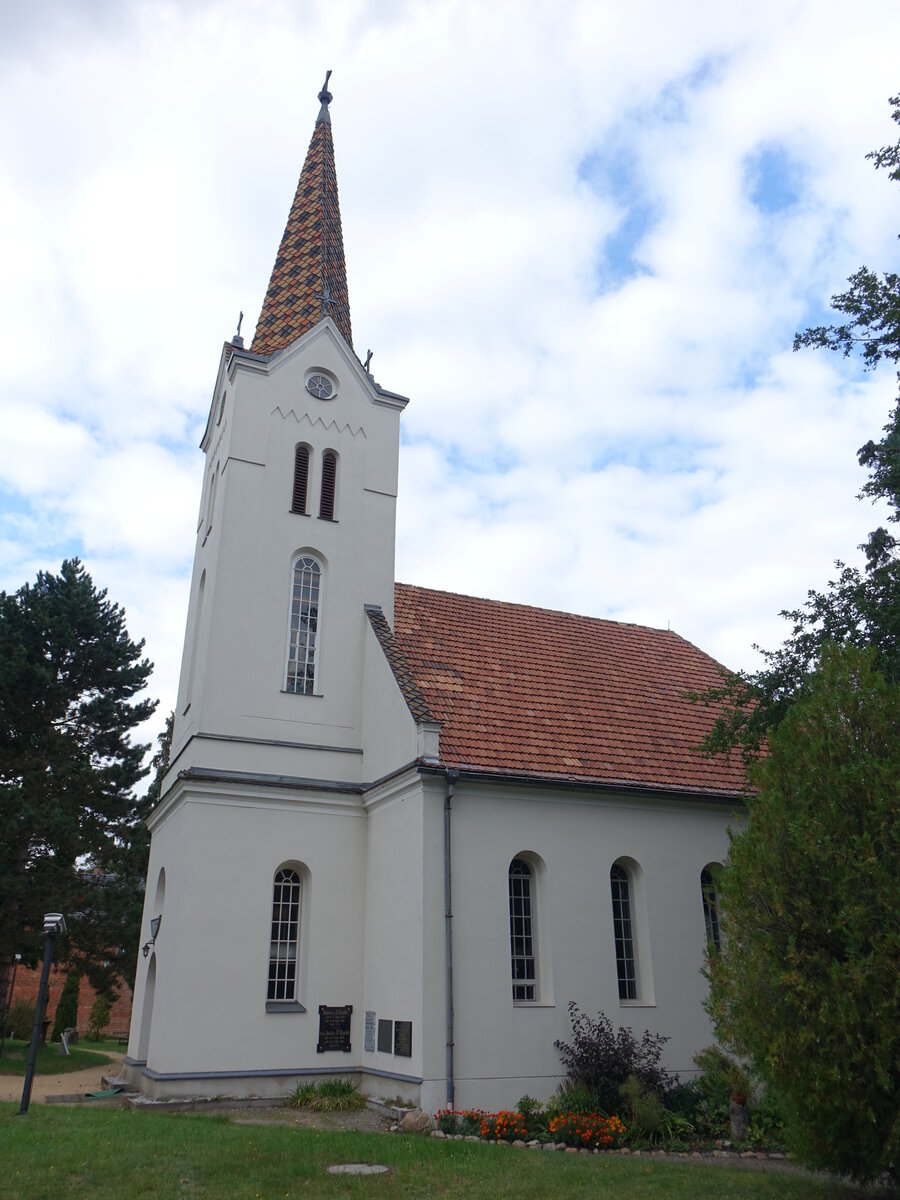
(531, 692)
(310, 257)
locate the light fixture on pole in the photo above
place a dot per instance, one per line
(54, 925)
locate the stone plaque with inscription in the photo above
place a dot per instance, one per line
(385, 1036)
(370, 1030)
(403, 1038)
(334, 1028)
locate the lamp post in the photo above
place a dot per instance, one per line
(54, 925)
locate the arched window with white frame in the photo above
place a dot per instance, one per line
(709, 895)
(284, 942)
(306, 598)
(623, 931)
(522, 930)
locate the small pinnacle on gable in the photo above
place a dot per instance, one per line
(237, 340)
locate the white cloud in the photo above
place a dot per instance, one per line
(648, 448)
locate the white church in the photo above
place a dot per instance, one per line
(402, 829)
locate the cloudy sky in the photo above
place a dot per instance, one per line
(580, 236)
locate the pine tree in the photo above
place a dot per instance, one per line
(66, 1016)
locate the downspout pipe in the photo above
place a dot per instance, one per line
(452, 777)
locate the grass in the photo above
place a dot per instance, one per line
(49, 1060)
(104, 1154)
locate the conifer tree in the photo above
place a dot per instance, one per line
(70, 678)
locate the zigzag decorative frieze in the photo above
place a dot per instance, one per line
(306, 419)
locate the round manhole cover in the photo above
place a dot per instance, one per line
(358, 1169)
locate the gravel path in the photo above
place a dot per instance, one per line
(74, 1083)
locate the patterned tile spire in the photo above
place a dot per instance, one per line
(309, 279)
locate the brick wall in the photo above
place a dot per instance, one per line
(26, 988)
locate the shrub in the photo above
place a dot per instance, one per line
(602, 1059)
(20, 1020)
(533, 1114)
(572, 1098)
(646, 1113)
(67, 1007)
(98, 1020)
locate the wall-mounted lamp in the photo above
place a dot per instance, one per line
(154, 930)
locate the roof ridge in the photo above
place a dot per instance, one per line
(309, 278)
(556, 612)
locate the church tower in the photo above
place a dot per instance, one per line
(261, 820)
(295, 533)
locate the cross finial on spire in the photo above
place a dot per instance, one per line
(325, 97)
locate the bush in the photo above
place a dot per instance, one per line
(571, 1098)
(646, 1113)
(67, 1007)
(98, 1020)
(20, 1021)
(533, 1115)
(331, 1095)
(806, 985)
(602, 1059)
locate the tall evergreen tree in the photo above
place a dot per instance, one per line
(806, 984)
(69, 680)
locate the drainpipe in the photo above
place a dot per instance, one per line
(452, 777)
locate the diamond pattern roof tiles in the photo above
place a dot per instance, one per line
(309, 266)
(528, 691)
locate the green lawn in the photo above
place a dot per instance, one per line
(105, 1154)
(49, 1059)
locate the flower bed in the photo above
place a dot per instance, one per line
(587, 1129)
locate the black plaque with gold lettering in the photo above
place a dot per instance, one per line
(403, 1038)
(385, 1030)
(334, 1028)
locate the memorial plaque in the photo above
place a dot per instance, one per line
(403, 1038)
(385, 1036)
(334, 1028)
(370, 1030)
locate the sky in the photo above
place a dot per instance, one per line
(579, 236)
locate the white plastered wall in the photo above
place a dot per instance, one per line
(504, 1050)
(221, 850)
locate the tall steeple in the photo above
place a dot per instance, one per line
(309, 279)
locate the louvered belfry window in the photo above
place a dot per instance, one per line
(521, 930)
(305, 596)
(301, 479)
(329, 476)
(285, 936)
(622, 931)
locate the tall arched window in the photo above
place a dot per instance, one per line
(305, 598)
(301, 479)
(521, 930)
(623, 932)
(285, 937)
(709, 896)
(329, 479)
